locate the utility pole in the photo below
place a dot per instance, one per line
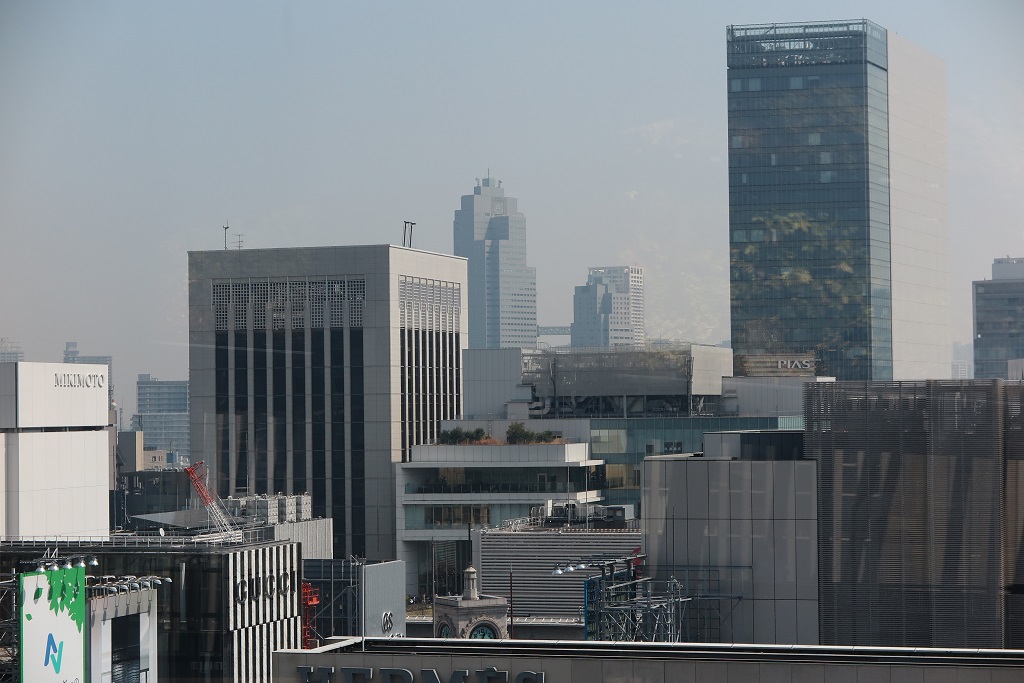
(511, 604)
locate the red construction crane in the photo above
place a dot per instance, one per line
(197, 475)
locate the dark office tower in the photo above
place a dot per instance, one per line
(315, 369)
(837, 199)
(919, 515)
(490, 232)
(999, 319)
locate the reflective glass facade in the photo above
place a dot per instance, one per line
(809, 223)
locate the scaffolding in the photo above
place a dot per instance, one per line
(338, 585)
(310, 600)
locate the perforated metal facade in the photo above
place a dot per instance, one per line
(913, 506)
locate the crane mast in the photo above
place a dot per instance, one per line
(211, 501)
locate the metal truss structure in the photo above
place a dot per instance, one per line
(622, 605)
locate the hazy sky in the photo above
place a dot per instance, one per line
(130, 132)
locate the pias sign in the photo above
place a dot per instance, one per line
(266, 586)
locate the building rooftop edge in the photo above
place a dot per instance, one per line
(327, 246)
(797, 24)
(621, 649)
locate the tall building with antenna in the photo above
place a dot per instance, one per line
(315, 369)
(490, 233)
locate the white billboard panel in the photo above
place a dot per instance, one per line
(384, 599)
(51, 617)
(55, 395)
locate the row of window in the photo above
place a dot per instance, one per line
(758, 138)
(237, 303)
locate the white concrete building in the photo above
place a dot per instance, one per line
(443, 491)
(54, 464)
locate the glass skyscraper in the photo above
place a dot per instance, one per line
(490, 232)
(837, 180)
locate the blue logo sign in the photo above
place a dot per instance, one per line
(54, 653)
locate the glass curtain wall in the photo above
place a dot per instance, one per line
(809, 194)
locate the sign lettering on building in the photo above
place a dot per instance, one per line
(266, 586)
(79, 380)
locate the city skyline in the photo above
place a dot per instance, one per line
(305, 126)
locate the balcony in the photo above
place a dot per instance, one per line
(438, 488)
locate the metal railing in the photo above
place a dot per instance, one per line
(143, 540)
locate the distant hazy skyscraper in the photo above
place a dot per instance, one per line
(999, 318)
(71, 355)
(163, 414)
(491, 233)
(609, 309)
(837, 199)
(10, 351)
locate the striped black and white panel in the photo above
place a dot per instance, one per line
(253, 647)
(263, 585)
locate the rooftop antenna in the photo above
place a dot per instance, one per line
(407, 234)
(226, 235)
(238, 241)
